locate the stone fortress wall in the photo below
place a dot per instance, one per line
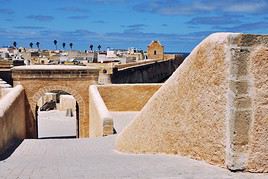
(213, 108)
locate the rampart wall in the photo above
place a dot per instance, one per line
(213, 108)
(153, 72)
(13, 113)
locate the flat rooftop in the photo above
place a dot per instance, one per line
(54, 67)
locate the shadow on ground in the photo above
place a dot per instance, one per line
(7, 152)
(58, 137)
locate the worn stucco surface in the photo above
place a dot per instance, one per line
(258, 145)
(127, 97)
(12, 118)
(186, 116)
(213, 108)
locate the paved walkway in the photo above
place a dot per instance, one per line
(55, 123)
(122, 119)
(97, 158)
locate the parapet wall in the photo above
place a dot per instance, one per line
(119, 98)
(12, 117)
(127, 97)
(99, 115)
(213, 108)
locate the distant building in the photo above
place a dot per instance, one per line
(155, 50)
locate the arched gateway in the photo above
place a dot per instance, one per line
(39, 79)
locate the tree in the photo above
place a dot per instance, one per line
(31, 45)
(91, 47)
(99, 47)
(15, 44)
(63, 45)
(55, 43)
(37, 44)
(71, 45)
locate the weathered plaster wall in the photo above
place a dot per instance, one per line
(187, 115)
(12, 117)
(101, 122)
(127, 97)
(213, 108)
(120, 98)
(258, 133)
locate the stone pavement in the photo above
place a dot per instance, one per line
(55, 123)
(122, 119)
(97, 158)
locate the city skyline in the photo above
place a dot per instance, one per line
(179, 25)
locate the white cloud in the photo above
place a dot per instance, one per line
(175, 7)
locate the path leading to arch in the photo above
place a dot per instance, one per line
(97, 158)
(75, 80)
(56, 124)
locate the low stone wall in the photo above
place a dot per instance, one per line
(101, 122)
(105, 99)
(127, 97)
(12, 117)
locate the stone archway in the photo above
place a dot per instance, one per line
(41, 92)
(39, 79)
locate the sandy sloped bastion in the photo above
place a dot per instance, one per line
(213, 108)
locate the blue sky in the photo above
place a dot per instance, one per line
(179, 24)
